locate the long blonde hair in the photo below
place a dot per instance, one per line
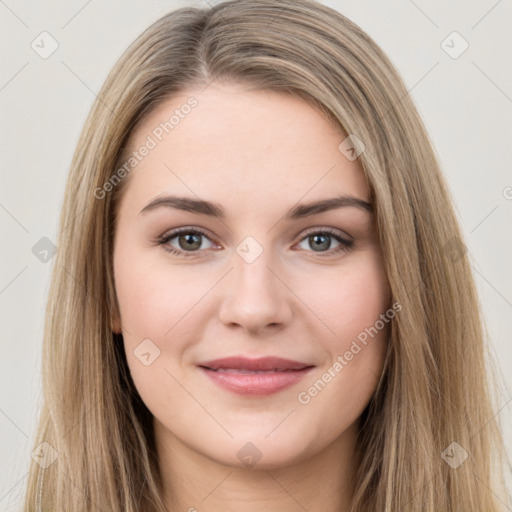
(434, 390)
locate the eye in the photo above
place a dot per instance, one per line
(190, 242)
(322, 240)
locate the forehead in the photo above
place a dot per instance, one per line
(230, 140)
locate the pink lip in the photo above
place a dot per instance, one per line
(236, 374)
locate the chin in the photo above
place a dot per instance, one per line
(257, 452)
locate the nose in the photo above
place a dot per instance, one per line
(255, 297)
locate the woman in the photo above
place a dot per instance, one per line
(261, 296)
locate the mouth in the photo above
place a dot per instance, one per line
(255, 377)
(247, 372)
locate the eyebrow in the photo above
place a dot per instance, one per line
(208, 208)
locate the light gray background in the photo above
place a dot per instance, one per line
(465, 102)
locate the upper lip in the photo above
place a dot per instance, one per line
(260, 364)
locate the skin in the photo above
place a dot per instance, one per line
(257, 154)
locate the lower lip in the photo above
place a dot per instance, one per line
(256, 384)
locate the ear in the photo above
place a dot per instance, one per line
(115, 323)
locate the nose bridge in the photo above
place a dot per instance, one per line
(255, 297)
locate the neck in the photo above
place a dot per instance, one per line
(193, 482)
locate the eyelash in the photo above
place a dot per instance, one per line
(345, 245)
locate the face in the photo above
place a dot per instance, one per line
(255, 274)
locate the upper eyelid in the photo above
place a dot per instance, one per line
(178, 231)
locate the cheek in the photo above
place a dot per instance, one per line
(152, 298)
(162, 304)
(153, 304)
(343, 387)
(144, 303)
(353, 300)
(360, 321)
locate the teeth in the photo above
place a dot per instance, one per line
(245, 372)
